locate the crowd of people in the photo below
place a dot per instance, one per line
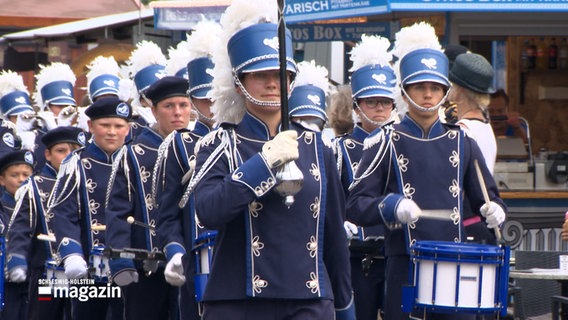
(242, 214)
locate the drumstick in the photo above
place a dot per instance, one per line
(131, 220)
(46, 237)
(98, 227)
(485, 195)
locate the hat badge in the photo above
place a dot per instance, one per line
(159, 74)
(81, 138)
(29, 157)
(109, 83)
(314, 98)
(122, 110)
(8, 139)
(66, 91)
(272, 43)
(20, 100)
(380, 78)
(429, 63)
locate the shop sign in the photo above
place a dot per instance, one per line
(302, 10)
(338, 32)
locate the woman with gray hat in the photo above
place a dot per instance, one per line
(472, 79)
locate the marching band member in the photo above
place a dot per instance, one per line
(373, 84)
(146, 65)
(14, 102)
(130, 196)
(55, 98)
(77, 207)
(307, 100)
(417, 165)
(271, 260)
(177, 228)
(15, 168)
(103, 78)
(27, 253)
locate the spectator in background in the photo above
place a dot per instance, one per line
(504, 122)
(340, 112)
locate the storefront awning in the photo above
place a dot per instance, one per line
(77, 27)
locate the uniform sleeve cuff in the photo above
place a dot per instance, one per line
(347, 313)
(255, 173)
(387, 209)
(16, 260)
(120, 264)
(172, 248)
(68, 247)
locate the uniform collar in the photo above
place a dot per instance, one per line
(150, 135)
(8, 199)
(200, 128)
(49, 171)
(98, 154)
(253, 127)
(359, 134)
(416, 130)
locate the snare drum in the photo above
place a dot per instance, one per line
(55, 274)
(458, 277)
(203, 251)
(99, 265)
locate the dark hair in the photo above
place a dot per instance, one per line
(500, 93)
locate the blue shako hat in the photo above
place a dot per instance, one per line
(148, 75)
(103, 85)
(181, 73)
(15, 103)
(307, 100)
(424, 65)
(255, 48)
(109, 107)
(373, 81)
(58, 93)
(66, 134)
(200, 82)
(167, 87)
(17, 157)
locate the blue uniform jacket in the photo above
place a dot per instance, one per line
(130, 195)
(24, 249)
(176, 237)
(349, 150)
(434, 168)
(264, 249)
(78, 200)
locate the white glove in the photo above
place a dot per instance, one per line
(174, 271)
(82, 119)
(407, 211)
(66, 116)
(18, 274)
(75, 267)
(283, 148)
(46, 120)
(28, 140)
(125, 278)
(493, 213)
(350, 229)
(25, 121)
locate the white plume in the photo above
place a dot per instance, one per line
(203, 38)
(11, 81)
(229, 105)
(310, 73)
(420, 35)
(178, 58)
(56, 71)
(102, 65)
(146, 53)
(369, 51)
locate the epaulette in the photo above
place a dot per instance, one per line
(328, 142)
(375, 137)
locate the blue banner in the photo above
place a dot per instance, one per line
(339, 32)
(185, 18)
(479, 5)
(302, 10)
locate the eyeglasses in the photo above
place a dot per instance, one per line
(373, 103)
